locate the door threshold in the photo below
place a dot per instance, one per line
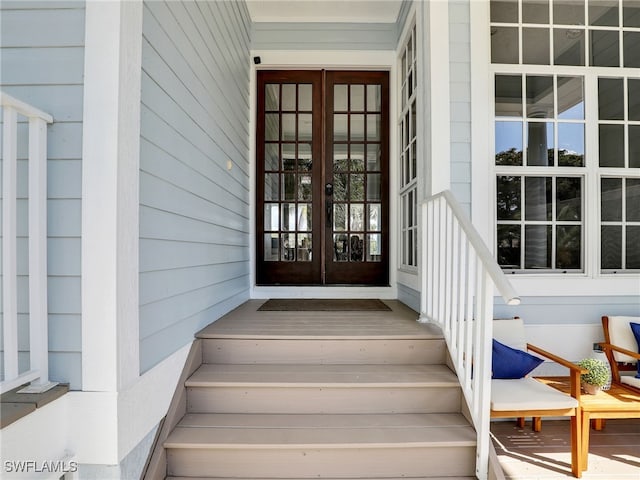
(325, 291)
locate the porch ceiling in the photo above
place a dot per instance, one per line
(347, 11)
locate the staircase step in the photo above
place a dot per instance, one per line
(419, 351)
(323, 389)
(335, 446)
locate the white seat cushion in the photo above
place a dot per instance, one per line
(630, 380)
(621, 335)
(527, 394)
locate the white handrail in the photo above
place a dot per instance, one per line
(38, 373)
(459, 275)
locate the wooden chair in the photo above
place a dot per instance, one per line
(527, 397)
(622, 350)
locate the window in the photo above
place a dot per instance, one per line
(408, 153)
(567, 134)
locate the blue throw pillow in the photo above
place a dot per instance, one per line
(507, 362)
(635, 328)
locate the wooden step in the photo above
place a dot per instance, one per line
(334, 446)
(419, 351)
(323, 389)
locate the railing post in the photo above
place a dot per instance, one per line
(9, 241)
(38, 311)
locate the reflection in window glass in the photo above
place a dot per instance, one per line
(539, 96)
(357, 98)
(632, 251)
(340, 98)
(272, 97)
(505, 11)
(508, 199)
(631, 45)
(571, 144)
(508, 143)
(271, 156)
(632, 194)
(504, 45)
(569, 199)
(568, 46)
(304, 97)
(610, 99)
(535, 11)
(538, 246)
(508, 246)
(634, 146)
(535, 46)
(568, 247)
(611, 199)
(540, 143)
(634, 99)
(288, 97)
(570, 98)
(568, 12)
(508, 97)
(611, 247)
(631, 13)
(537, 198)
(604, 47)
(611, 145)
(603, 13)
(357, 157)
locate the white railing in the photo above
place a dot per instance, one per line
(459, 275)
(38, 373)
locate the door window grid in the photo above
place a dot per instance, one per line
(357, 175)
(408, 153)
(612, 139)
(288, 177)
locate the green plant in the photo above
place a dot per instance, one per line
(598, 373)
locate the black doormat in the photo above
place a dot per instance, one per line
(322, 305)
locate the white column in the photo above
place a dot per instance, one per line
(110, 187)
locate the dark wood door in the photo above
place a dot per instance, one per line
(322, 178)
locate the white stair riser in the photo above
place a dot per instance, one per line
(366, 351)
(323, 462)
(395, 399)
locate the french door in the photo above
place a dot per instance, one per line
(322, 178)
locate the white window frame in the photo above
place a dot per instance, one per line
(591, 281)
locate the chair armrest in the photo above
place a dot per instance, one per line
(574, 370)
(610, 346)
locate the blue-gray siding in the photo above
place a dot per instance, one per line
(460, 103)
(324, 36)
(42, 63)
(194, 211)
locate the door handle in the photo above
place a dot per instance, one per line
(329, 213)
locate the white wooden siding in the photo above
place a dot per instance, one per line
(194, 210)
(42, 61)
(324, 36)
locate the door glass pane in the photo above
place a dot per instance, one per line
(272, 97)
(356, 247)
(539, 96)
(508, 246)
(535, 11)
(604, 47)
(357, 98)
(288, 156)
(357, 128)
(288, 186)
(611, 149)
(304, 157)
(538, 198)
(288, 127)
(304, 127)
(303, 253)
(568, 246)
(340, 217)
(504, 45)
(305, 222)
(603, 13)
(374, 127)
(340, 187)
(568, 12)
(508, 102)
(538, 246)
(356, 217)
(304, 187)
(610, 99)
(271, 156)
(508, 143)
(340, 247)
(611, 199)
(288, 247)
(271, 216)
(271, 191)
(540, 143)
(374, 98)
(340, 98)
(357, 157)
(570, 98)
(289, 97)
(611, 247)
(374, 217)
(535, 46)
(271, 127)
(340, 127)
(374, 247)
(569, 199)
(570, 144)
(374, 187)
(356, 187)
(288, 217)
(271, 247)
(305, 97)
(340, 157)
(373, 157)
